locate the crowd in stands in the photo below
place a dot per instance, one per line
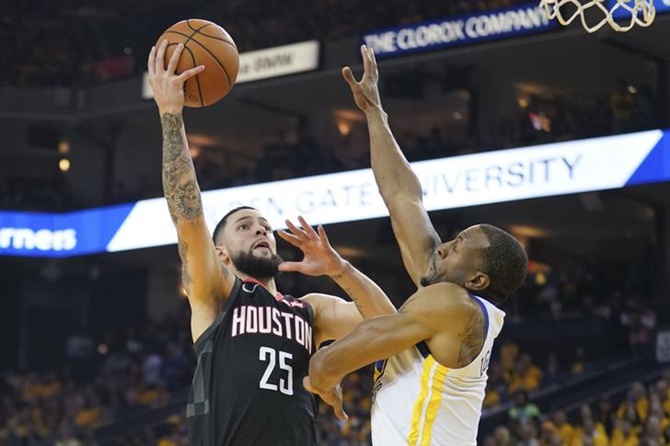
(109, 378)
(638, 417)
(77, 43)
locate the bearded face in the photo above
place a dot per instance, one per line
(260, 267)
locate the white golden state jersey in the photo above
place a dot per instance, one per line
(419, 402)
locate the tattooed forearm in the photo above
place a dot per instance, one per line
(182, 246)
(179, 183)
(472, 338)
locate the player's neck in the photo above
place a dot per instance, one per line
(267, 283)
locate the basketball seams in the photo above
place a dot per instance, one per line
(190, 39)
(196, 77)
(220, 39)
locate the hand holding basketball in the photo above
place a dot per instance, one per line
(167, 86)
(201, 42)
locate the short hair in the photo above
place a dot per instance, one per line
(506, 263)
(222, 223)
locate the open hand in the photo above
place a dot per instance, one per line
(366, 92)
(319, 256)
(168, 87)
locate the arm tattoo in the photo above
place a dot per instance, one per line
(472, 338)
(179, 183)
(339, 275)
(355, 299)
(182, 246)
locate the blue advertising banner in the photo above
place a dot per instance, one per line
(459, 30)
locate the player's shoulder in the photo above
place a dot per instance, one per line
(318, 298)
(440, 296)
(448, 292)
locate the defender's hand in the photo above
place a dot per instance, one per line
(366, 92)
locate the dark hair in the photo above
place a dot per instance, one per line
(505, 262)
(222, 223)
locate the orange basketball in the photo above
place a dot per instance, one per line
(205, 43)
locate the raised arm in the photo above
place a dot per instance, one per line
(397, 183)
(205, 279)
(334, 317)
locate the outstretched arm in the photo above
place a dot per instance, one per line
(334, 317)
(440, 314)
(205, 279)
(398, 184)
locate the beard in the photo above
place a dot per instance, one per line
(427, 280)
(431, 275)
(258, 267)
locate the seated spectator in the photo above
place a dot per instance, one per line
(638, 402)
(525, 375)
(624, 434)
(549, 435)
(589, 434)
(564, 429)
(509, 352)
(521, 408)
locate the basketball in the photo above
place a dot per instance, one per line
(208, 44)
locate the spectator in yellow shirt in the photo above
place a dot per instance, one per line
(563, 428)
(652, 431)
(509, 352)
(525, 376)
(588, 434)
(624, 435)
(637, 396)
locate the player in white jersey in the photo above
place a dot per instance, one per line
(433, 353)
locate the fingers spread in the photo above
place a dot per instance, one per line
(174, 60)
(296, 230)
(292, 239)
(348, 76)
(160, 57)
(322, 234)
(366, 58)
(307, 228)
(186, 75)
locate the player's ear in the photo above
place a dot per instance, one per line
(222, 254)
(478, 281)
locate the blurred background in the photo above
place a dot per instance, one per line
(96, 346)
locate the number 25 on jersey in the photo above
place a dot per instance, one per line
(270, 355)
